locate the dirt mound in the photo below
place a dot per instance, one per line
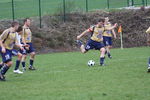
(55, 35)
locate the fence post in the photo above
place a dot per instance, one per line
(86, 5)
(64, 10)
(108, 4)
(40, 16)
(146, 2)
(13, 10)
(132, 2)
(128, 3)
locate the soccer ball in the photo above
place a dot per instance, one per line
(91, 63)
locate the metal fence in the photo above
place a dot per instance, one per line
(14, 9)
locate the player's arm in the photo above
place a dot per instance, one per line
(85, 33)
(2, 37)
(148, 30)
(23, 37)
(112, 27)
(17, 42)
(114, 33)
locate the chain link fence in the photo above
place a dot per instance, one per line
(14, 9)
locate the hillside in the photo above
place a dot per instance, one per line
(55, 35)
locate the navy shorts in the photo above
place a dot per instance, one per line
(15, 52)
(7, 56)
(30, 50)
(94, 45)
(107, 41)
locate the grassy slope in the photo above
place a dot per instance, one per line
(65, 76)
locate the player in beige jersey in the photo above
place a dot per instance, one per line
(7, 41)
(27, 40)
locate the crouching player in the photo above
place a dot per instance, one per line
(96, 40)
(7, 41)
(148, 42)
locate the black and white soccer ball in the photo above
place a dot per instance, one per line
(91, 63)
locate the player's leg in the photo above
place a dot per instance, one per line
(7, 59)
(109, 47)
(107, 42)
(16, 70)
(108, 51)
(32, 56)
(4, 69)
(102, 56)
(1, 64)
(23, 61)
(82, 47)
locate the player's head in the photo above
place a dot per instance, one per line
(106, 19)
(100, 23)
(27, 22)
(19, 30)
(15, 25)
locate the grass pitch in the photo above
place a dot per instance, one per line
(66, 76)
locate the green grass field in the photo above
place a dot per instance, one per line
(66, 76)
(29, 8)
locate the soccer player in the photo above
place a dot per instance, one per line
(19, 53)
(96, 40)
(148, 41)
(26, 39)
(107, 37)
(7, 41)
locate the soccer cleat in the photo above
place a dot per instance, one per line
(18, 71)
(32, 68)
(109, 56)
(2, 77)
(79, 42)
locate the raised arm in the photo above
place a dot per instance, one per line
(114, 33)
(111, 28)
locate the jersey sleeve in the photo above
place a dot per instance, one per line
(91, 29)
(23, 35)
(18, 39)
(4, 35)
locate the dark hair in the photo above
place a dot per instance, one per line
(14, 23)
(101, 20)
(19, 29)
(26, 19)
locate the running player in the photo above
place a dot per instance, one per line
(7, 41)
(96, 40)
(107, 36)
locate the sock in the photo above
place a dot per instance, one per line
(1, 65)
(31, 62)
(17, 64)
(102, 60)
(109, 54)
(4, 69)
(23, 64)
